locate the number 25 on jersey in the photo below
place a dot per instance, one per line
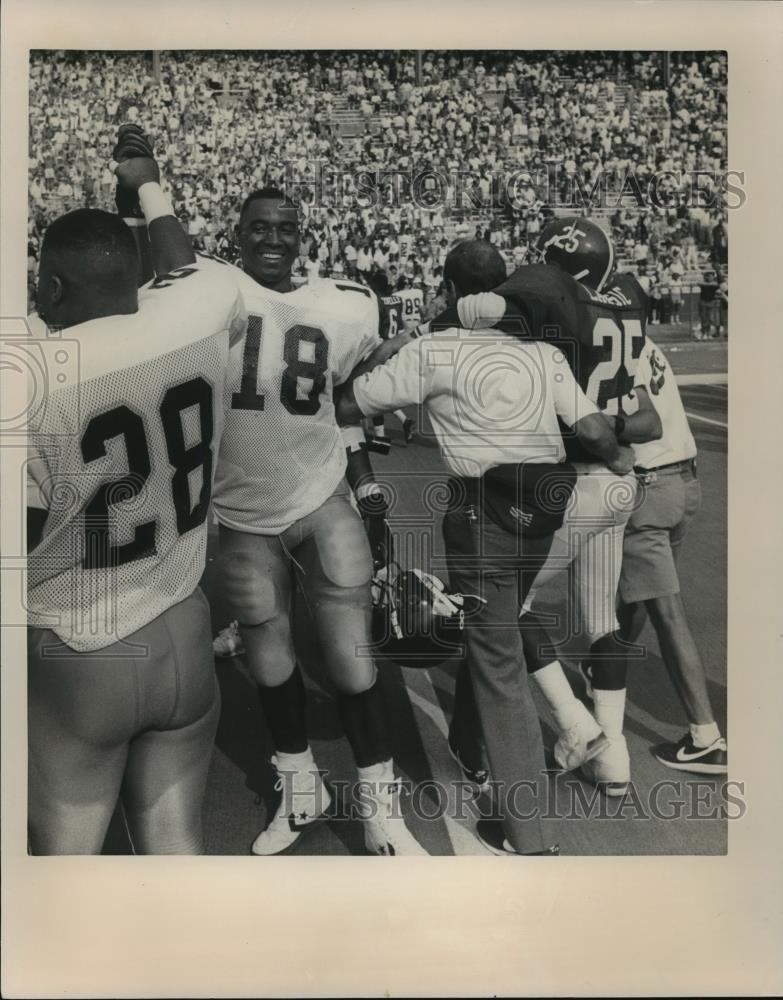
(611, 382)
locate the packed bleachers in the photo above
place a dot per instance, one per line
(391, 161)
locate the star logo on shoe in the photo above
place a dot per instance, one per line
(297, 827)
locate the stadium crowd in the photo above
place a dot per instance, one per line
(390, 171)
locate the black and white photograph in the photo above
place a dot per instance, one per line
(427, 431)
(371, 474)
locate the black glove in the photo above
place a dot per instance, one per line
(131, 142)
(373, 509)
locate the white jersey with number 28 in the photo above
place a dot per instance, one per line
(121, 460)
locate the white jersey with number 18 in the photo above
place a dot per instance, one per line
(282, 454)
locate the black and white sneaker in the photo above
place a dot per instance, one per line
(475, 775)
(304, 805)
(686, 756)
(490, 833)
(379, 443)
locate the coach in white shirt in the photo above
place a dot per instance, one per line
(649, 584)
(493, 402)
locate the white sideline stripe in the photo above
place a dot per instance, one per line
(706, 420)
(708, 378)
(461, 839)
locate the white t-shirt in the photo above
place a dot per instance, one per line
(676, 444)
(491, 399)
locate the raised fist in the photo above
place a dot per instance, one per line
(135, 166)
(139, 170)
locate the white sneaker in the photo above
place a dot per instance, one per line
(610, 771)
(385, 831)
(228, 642)
(303, 804)
(581, 742)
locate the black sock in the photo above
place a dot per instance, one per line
(284, 710)
(608, 660)
(363, 717)
(539, 651)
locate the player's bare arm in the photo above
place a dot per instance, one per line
(346, 408)
(644, 425)
(170, 245)
(595, 434)
(383, 353)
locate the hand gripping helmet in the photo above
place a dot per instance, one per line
(579, 247)
(417, 622)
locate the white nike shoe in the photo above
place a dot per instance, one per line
(610, 771)
(304, 802)
(385, 832)
(581, 742)
(228, 642)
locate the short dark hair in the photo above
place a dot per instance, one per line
(271, 193)
(474, 266)
(96, 247)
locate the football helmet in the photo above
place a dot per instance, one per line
(579, 247)
(417, 622)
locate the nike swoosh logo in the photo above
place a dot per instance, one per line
(684, 756)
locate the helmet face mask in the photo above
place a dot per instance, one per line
(417, 622)
(580, 248)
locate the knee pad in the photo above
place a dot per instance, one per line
(249, 590)
(340, 554)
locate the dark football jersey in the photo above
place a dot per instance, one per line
(391, 316)
(600, 333)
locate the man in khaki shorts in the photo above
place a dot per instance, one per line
(649, 585)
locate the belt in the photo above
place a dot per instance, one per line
(687, 464)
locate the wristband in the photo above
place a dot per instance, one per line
(367, 490)
(353, 438)
(154, 202)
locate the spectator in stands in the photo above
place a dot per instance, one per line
(722, 296)
(676, 295)
(655, 299)
(708, 306)
(228, 122)
(720, 245)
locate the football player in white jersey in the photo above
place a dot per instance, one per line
(649, 585)
(122, 696)
(287, 517)
(412, 306)
(396, 317)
